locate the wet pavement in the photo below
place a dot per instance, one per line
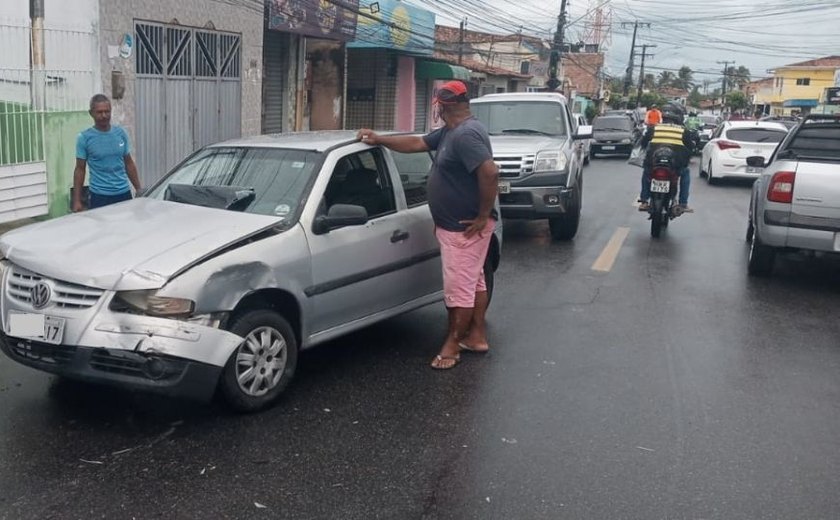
(671, 386)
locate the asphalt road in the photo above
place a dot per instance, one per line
(666, 385)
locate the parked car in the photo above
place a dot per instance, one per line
(795, 204)
(613, 135)
(583, 127)
(247, 252)
(710, 123)
(540, 162)
(725, 155)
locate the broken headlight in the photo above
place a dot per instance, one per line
(148, 302)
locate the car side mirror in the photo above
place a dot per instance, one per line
(756, 161)
(340, 215)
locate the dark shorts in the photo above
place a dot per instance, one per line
(97, 200)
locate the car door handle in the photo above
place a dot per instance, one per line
(399, 236)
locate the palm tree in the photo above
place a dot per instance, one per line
(685, 78)
(650, 82)
(666, 79)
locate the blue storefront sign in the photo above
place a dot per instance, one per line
(391, 24)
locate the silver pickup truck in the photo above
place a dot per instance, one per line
(540, 156)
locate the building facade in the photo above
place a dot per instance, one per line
(799, 88)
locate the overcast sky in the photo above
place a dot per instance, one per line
(759, 34)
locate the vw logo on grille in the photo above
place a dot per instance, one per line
(40, 295)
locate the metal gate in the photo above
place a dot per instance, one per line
(189, 93)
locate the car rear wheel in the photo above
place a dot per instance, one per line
(264, 363)
(709, 176)
(761, 259)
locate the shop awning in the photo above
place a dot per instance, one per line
(801, 103)
(438, 70)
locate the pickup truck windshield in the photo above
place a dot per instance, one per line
(815, 142)
(266, 181)
(521, 117)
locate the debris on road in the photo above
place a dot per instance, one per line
(643, 448)
(260, 506)
(91, 461)
(509, 441)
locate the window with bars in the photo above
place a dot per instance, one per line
(165, 50)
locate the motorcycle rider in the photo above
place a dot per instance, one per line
(693, 124)
(653, 116)
(670, 133)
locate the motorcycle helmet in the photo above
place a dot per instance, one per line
(673, 114)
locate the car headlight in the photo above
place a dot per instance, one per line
(148, 302)
(549, 161)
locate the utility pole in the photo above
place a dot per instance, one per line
(555, 61)
(725, 79)
(37, 69)
(642, 72)
(628, 77)
(461, 43)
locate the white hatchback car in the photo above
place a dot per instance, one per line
(725, 155)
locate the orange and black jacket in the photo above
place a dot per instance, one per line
(674, 137)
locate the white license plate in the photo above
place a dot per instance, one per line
(504, 187)
(753, 169)
(657, 186)
(608, 148)
(48, 329)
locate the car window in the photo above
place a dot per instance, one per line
(816, 142)
(414, 172)
(274, 181)
(756, 135)
(522, 117)
(361, 179)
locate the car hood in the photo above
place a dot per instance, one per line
(138, 244)
(521, 144)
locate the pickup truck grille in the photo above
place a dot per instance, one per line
(513, 166)
(65, 295)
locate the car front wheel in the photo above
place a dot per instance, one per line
(264, 363)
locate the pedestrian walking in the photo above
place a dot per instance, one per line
(103, 150)
(462, 188)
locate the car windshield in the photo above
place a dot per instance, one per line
(521, 117)
(709, 120)
(616, 124)
(756, 135)
(265, 181)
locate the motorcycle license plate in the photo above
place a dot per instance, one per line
(657, 186)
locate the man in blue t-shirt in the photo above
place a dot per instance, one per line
(105, 151)
(462, 189)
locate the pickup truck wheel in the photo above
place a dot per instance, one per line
(761, 259)
(565, 227)
(263, 364)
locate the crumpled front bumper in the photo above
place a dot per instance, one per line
(137, 352)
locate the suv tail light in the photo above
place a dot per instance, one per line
(726, 145)
(781, 187)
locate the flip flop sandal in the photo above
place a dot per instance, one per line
(468, 348)
(438, 359)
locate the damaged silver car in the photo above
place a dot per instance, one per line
(244, 254)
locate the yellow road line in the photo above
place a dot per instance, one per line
(605, 261)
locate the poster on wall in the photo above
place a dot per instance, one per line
(328, 19)
(434, 118)
(391, 24)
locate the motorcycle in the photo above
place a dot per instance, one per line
(696, 147)
(664, 186)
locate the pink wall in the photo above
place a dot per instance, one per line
(405, 94)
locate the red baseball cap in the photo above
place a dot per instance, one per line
(452, 92)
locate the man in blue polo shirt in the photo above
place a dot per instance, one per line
(104, 150)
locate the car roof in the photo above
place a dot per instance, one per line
(521, 96)
(318, 141)
(755, 124)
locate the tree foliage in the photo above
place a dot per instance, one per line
(737, 100)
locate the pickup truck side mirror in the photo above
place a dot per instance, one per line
(340, 215)
(583, 132)
(756, 161)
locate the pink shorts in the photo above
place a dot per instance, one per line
(463, 264)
